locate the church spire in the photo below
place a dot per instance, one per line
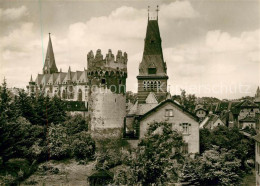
(257, 95)
(152, 75)
(49, 65)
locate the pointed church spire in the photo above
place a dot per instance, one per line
(157, 10)
(49, 65)
(257, 92)
(31, 80)
(69, 74)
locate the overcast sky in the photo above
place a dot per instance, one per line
(211, 47)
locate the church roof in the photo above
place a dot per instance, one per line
(153, 39)
(152, 55)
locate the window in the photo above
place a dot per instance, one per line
(168, 113)
(185, 148)
(151, 70)
(103, 81)
(185, 128)
(145, 85)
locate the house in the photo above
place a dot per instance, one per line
(248, 121)
(201, 113)
(257, 158)
(211, 121)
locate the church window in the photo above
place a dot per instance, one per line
(148, 85)
(155, 85)
(80, 95)
(168, 113)
(145, 85)
(152, 85)
(103, 81)
(151, 70)
(120, 81)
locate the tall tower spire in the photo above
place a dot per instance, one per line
(152, 70)
(49, 65)
(257, 95)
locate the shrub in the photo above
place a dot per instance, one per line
(83, 146)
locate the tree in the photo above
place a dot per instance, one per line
(217, 166)
(187, 101)
(230, 139)
(76, 124)
(83, 146)
(158, 158)
(58, 142)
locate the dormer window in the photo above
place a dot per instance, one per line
(151, 70)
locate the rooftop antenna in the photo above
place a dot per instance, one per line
(157, 10)
(148, 12)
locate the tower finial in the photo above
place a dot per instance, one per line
(148, 12)
(49, 34)
(31, 80)
(157, 10)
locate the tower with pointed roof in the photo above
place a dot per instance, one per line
(257, 95)
(152, 75)
(50, 65)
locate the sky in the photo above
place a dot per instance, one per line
(211, 47)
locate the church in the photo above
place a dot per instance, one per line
(100, 89)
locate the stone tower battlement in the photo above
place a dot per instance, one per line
(107, 63)
(109, 72)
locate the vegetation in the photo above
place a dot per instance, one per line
(35, 129)
(157, 160)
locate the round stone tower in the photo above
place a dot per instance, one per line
(107, 102)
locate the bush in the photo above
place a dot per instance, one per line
(83, 146)
(59, 146)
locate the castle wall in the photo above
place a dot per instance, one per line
(107, 111)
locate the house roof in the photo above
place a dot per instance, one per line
(257, 138)
(248, 119)
(212, 118)
(175, 104)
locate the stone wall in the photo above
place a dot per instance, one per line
(107, 111)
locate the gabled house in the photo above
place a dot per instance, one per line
(170, 112)
(211, 121)
(201, 113)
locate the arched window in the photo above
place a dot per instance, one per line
(145, 85)
(155, 85)
(148, 85)
(80, 95)
(63, 94)
(152, 85)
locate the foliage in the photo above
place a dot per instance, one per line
(215, 167)
(154, 162)
(230, 139)
(83, 146)
(131, 97)
(187, 101)
(76, 124)
(58, 142)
